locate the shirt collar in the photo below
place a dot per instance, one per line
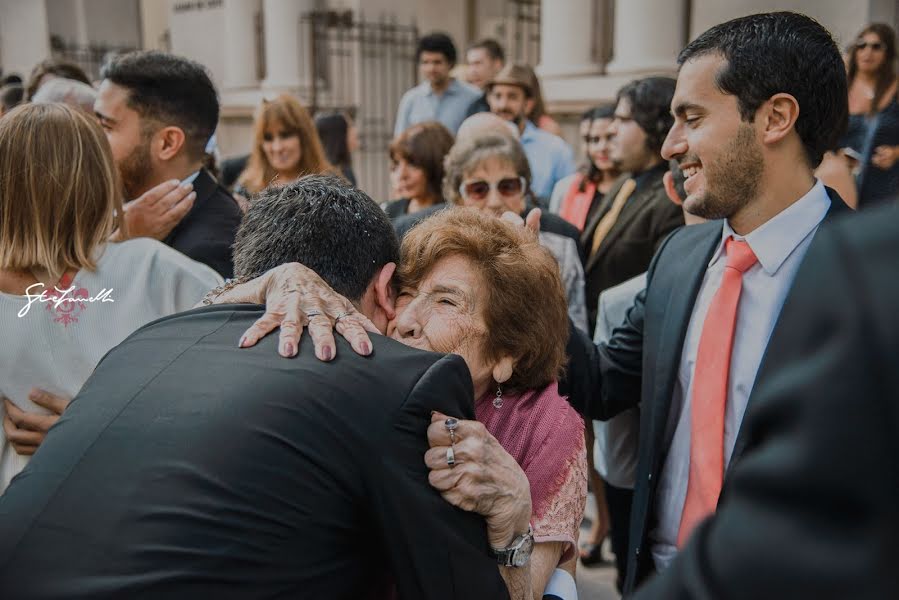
(776, 240)
(451, 89)
(190, 178)
(529, 130)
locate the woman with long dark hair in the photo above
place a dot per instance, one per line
(340, 139)
(575, 195)
(873, 132)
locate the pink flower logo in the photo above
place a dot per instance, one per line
(70, 308)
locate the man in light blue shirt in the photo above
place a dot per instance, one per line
(440, 97)
(510, 96)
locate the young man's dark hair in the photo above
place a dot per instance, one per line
(11, 79)
(437, 42)
(782, 52)
(322, 222)
(170, 90)
(491, 47)
(650, 102)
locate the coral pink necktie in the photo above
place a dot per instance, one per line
(709, 397)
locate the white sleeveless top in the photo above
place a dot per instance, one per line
(55, 345)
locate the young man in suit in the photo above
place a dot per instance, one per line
(187, 467)
(810, 511)
(159, 111)
(748, 133)
(625, 228)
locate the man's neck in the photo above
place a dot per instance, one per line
(439, 88)
(652, 164)
(179, 172)
(775, 195)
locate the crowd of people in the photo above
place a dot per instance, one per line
(693, 325)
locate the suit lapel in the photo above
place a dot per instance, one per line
(837, 209)
(682, 287)
(590, 229)
(632, 208)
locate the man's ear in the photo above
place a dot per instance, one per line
(384, 294)
(168, 142)
(529, 106)
(670, 190)
(779, 116)
(502, 370)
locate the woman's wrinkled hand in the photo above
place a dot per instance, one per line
(485, 478)
(295, 297)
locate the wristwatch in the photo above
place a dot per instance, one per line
(518, 553)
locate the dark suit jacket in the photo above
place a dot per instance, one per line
(641, 360)
(188, 468)
(207, 232)
(812, 509)
(232, 168)
(647, 217)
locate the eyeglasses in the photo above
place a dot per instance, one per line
(479, 189)
(872, 45)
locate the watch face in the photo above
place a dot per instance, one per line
(523, 553)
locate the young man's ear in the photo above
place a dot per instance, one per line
(385, 295)
(779, 113)
(168, 142)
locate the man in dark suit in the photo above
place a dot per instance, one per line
(693, 341)
(625, 228)
(187, 467)
(811, 509)
(159, 111)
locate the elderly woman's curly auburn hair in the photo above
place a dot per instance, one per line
(525, 313)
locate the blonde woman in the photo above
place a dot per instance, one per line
(285, 146)
(67, 296)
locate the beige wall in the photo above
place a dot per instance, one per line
(154, 20)
(24, 40)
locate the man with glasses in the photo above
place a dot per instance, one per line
(623, 231)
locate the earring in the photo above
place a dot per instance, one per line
(498, 401)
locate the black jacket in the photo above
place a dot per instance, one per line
(640, 362)
(189, 468)
(646, 219)
(811, 510)
(206, 233)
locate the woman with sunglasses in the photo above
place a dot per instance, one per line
(873, 135)
(575, 195)
(491, 174)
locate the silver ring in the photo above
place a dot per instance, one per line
(312, 314)
(451, 457)
(342, 315)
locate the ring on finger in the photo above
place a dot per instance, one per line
(451, 457)
(345, 313)
(312, 314)
(451, 425)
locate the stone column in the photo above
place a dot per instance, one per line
(24, 35)
(648, 35)
(287, 62)
(566, 38)
(240, 44)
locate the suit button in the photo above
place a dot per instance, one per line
(649, 477)
(637, 553)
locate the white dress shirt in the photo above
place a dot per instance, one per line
(780, 245)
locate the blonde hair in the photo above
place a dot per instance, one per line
(59, 189)
(286, 111)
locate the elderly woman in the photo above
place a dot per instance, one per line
(490, 173)
(468, 283)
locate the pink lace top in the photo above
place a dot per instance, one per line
(545, 435)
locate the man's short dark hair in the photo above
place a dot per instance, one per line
(437, 42)
(782, 52)
(322, 222)
(491, 47)
(11, 96)
(650, 101)
(170, 90)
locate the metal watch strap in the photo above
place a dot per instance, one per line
(505, 557)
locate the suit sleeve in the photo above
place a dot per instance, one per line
(618, 364)
(437, 551)
(809, 511)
